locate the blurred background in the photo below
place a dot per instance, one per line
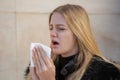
(26, 21)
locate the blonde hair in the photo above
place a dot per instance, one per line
(78, 21)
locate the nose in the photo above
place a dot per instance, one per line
(53, 33)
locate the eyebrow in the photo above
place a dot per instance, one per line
(57, 25)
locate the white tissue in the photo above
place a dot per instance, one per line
(45, 48)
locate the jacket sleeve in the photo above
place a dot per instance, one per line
(101, 70)
(107, 71)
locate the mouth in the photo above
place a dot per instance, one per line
(55, 43)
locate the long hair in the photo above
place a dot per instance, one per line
(78, 21)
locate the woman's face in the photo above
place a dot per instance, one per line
(63, 41)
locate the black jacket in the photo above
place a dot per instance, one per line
(98, 69)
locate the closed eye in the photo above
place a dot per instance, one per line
(61, 28)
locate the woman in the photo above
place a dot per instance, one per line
(75, 55)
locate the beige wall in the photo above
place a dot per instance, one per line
(25, 21)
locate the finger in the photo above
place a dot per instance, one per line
(41, 59)
(43, 56)
(51, 64)
(31, 69)
(48, 61)
(35, 59)
(33, 73)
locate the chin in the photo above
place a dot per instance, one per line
(56, 52)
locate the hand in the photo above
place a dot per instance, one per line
(44, 67)
(33, 73)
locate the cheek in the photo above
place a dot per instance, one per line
(68, 40)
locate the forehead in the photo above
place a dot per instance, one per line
(57, 18)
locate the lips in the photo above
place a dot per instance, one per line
(54, 43)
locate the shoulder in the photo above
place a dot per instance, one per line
(100, 69)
